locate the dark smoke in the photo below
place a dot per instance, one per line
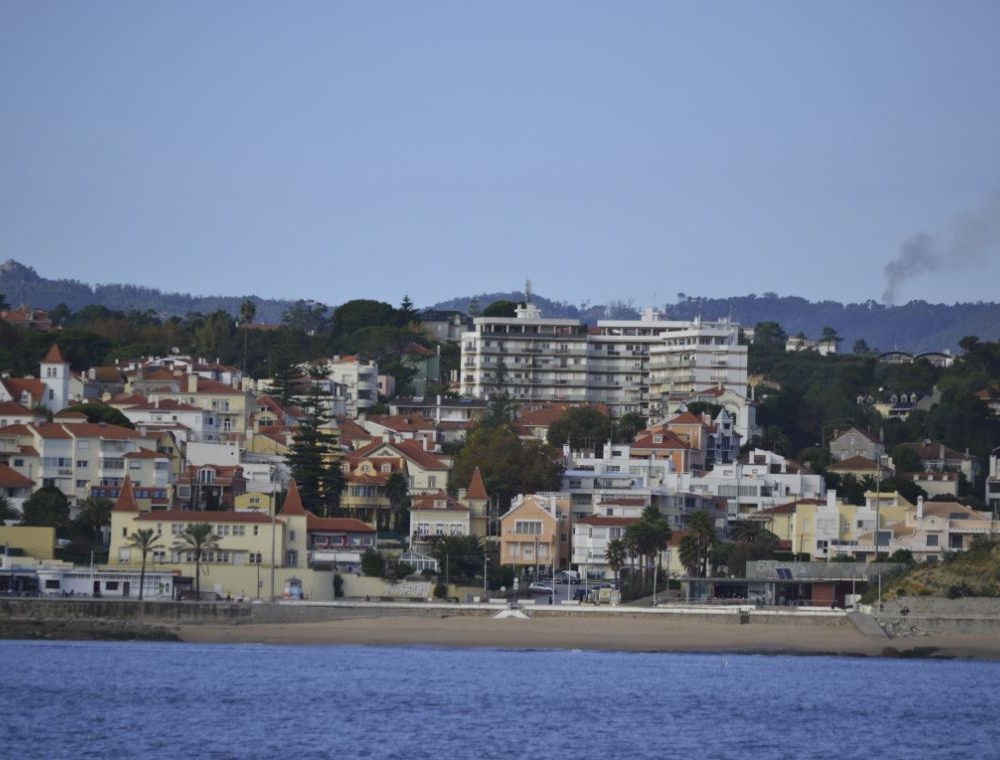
(972, 237)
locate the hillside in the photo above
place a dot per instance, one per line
(21, 284)
(973, 573)
(916, 326)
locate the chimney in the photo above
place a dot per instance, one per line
(920, 507)
(941, 451)
(831, 498)
(156, 404)
(192, 383)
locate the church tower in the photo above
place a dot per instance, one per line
(54, 373)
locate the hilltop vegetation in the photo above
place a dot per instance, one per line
(975, 572)
(916, 326)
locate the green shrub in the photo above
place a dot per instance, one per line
(338, 586)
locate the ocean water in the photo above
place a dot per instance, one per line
(163, 700)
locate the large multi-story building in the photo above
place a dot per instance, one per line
(636, 365)
(695, 356)
(541, 359)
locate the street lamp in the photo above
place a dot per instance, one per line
(486, 560)
(274, 522)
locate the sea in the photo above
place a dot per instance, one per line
(169, 700)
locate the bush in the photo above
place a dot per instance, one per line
(372, 563)
(401, 570)
(959, 590)
(440, 591)
(338, 586)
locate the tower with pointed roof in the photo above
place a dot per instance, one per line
(54, 373)
(478, 502)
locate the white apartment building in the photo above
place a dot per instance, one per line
(545, 359)
(693, 357)
(767, 480)
(359, 379)
(614, 363)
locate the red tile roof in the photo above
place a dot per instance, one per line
(293, 502)
(477, 488)
(15, 409)
(854, 464)
(336, 525)
(126, 498)
(429, 503)
(687, 418)
(10, 478)
(54, 356)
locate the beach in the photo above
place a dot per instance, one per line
(609, 633)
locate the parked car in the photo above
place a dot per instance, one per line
(540, 588)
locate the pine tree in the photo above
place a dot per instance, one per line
(312, 455)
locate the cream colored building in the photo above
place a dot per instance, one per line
(534, 533)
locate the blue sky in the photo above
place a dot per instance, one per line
(605, 150)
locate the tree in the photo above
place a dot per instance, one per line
(860, 347)
(95, 513)
(305, 316)
(372, 563)
(312, 453)
(248, 310)
(144, 541)
(697, 542)
(284, 384)
(362, 312)
(197, 539)
(7, 511)
(615, 554)
(47, 506)
(509, 466)
(406, 314)
(906, 459)
(582, 427)
(460, 556)
(648, 537)
(628, 426)
(769, 335)
(829, 333)
(97, 412)
(501, 308)
(500, 406)
(398, 492)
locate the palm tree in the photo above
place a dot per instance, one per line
(95, 513)
(615, 556)
(145, 540)
(197, 539)
(697, 542)
(7, 511)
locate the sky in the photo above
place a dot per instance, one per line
(606, 151)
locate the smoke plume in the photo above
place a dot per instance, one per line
(972, 237)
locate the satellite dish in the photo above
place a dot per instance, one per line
(174, 350)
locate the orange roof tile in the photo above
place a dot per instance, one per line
(477, 488)
(10, 478)
(293, 502)
(126, 498)
(336, 524)
(54, 356)
(215, 516)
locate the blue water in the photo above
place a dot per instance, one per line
(114, 700)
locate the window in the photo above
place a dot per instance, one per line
(256, 528)
(932, 540)
(431, 481)
(206, 476)
(528, 527)
(291, 535)
(82, 463)
(291, 558)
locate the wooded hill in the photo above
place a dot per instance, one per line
(915, 326)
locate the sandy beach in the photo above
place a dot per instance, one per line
(654, 634)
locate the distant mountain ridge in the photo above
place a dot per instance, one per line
(21, 284)
(916, 326)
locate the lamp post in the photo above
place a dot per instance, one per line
(274, 521)
(486, 560)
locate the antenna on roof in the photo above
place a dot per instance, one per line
(527, 292)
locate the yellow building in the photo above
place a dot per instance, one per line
(256, 555)
(37, 542)
(830, 528)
